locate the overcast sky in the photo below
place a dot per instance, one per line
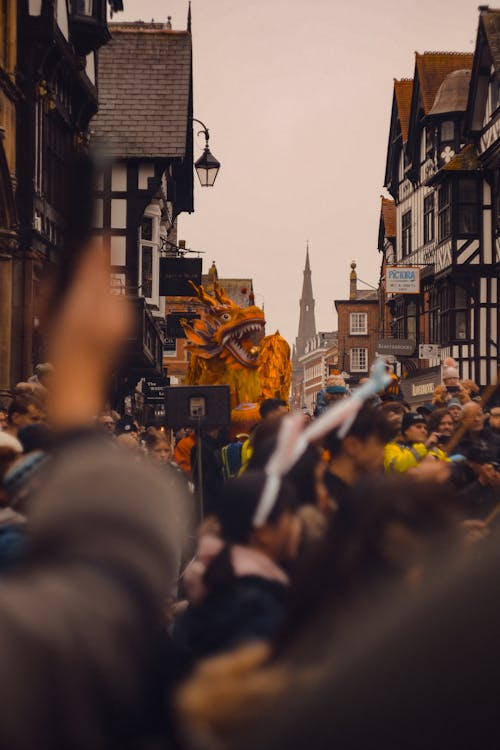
(297, 97)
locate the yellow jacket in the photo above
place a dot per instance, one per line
(400, 457)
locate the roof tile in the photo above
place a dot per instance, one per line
(433, 67)
(403, 91)
(144, 91)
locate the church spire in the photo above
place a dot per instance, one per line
(307, 322)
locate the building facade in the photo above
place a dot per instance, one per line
(358, 330)
(319, 360)
(56, 76)
(9, 97)
(144, 127)
(444, 227)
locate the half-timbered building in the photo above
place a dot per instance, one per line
(144, 128)
(443, 218)
(56, 74)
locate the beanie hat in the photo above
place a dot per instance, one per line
(454, 402)
(410, 419)
(336, 384)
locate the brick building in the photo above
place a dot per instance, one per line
(358, 330)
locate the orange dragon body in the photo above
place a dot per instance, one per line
(228, 348)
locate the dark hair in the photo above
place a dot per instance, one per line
(263, 442)
(353, 560)
(151, 440)
(269, 405)
(370, 421)
(21, 403)
(435, 418)
(238, 503)
(302, 475)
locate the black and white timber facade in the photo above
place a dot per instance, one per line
(446, 201)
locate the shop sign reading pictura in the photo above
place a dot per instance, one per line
(402, 280)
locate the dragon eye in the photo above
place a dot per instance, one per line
(225, 316)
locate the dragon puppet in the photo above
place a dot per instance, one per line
(228, 348)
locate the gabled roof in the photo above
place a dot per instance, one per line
(402, 94)
(433, 67)
(145, 92)
(487, 53)
(490, 19)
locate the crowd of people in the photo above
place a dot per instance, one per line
(148, 601)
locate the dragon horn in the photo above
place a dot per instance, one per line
(202, 295)
(221, 294)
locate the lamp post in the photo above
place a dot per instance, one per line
(207, 166)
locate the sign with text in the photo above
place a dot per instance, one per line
(429, 351)
(398, 347)
(175, 275)
(402, 280)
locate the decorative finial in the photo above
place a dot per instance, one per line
(189, 17)
(169, 22)
(353, 264)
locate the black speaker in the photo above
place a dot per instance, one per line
(198, 405)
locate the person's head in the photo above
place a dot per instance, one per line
(473, 416)
(127, 426)
(3, 418)
(336, 388)
(306, 477)
(495, 418)
(272, 407)
(44, 372)
(455, 410)
(414, 428)
(440, 421)
(158, 447)
(277, 535)
(450, 376)
(363, 446)
(23, 410)
(107, 423)
(393, 412)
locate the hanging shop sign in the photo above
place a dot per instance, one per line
(175, 275)
(397, 347)
(402, 280)
(429, 351)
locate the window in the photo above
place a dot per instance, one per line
(460, 315)
(359, 360)
(148, 257)
(428, 219)
(358, 324)
(468, 206)
(444, 211)
(429, 141)
(448, 130)
(406, 234)
(411, 321)
(434, 317)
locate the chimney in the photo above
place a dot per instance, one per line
(353, 278)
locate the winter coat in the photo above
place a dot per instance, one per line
(246, 606)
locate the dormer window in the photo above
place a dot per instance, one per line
(448, 130)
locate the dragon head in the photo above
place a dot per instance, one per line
(225, 329)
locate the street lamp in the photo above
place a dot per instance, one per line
(207, 166)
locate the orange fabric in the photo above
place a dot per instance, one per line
(182, 453)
